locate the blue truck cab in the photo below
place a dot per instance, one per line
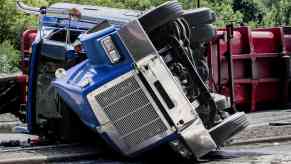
(126, 75)
(53, 47)
(125, 93)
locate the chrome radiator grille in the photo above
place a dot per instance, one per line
(131, 112)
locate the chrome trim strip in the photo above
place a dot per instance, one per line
(136, 40)
(154, 69)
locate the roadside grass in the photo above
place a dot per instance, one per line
(9, 58)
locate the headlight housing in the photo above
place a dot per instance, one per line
(110, 49)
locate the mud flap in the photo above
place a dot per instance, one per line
(197, 139)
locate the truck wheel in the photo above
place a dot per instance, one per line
(201, 16)
(229, 127)
(202, 33)
(161, 15)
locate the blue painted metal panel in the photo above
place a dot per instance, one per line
(101, 71)
(51, 21)
(98, 14)
(32, 86)
(98, 67)
(92, 45)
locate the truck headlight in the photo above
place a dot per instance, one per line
(110, 49)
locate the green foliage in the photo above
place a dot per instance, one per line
(226, 14)
(249, 9)
(9, 58)
(13, 22)
(277, 12)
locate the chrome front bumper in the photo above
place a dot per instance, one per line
(198, 139)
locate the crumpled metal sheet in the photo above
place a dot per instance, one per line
(198, 139)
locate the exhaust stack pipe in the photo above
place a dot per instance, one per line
(38, 11)
(27, 9)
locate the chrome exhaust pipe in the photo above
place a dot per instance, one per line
(38, 11)
(27, 9)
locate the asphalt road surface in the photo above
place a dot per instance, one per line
(267, 152)
(264, 153)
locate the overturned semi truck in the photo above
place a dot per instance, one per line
(136, 79)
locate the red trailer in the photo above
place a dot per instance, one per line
(261, 66)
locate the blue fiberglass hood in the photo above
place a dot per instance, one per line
(92, 73)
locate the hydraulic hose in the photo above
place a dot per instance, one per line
(179, 39)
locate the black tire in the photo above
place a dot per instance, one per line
(202, 33)
(161, 15)
(229, 127)
(201, 16)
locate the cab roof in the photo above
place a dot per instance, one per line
(98, 14)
